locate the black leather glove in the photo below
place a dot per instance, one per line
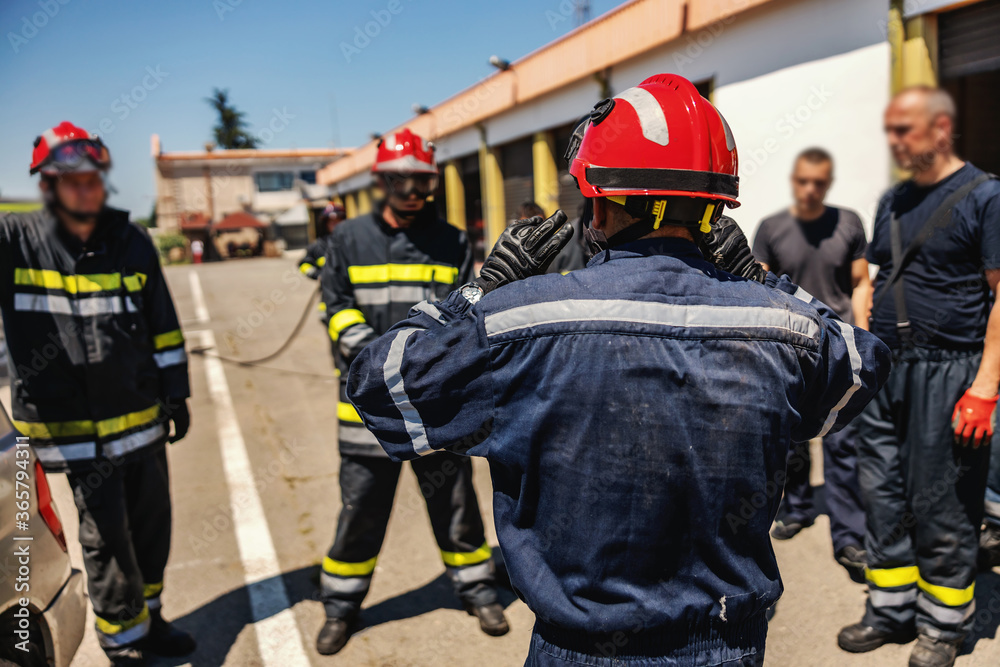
(526, 248)
(727, 248)
(178, 413)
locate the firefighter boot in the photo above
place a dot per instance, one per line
(861, 638)
(491, 618)
(165, 639)
(932, 652)
(989, 547)
(333, 635)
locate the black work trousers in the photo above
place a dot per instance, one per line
(367, 487)
(125, 518)
(923, 495)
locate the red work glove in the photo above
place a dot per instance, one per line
(974, 419)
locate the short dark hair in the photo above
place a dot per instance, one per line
(529, 209)
(815, 154)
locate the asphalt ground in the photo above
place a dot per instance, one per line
(251, 527)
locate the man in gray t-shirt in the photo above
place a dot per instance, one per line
(822, 249)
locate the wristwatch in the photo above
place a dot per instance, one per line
(472, 292)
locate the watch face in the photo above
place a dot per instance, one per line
(472, 293)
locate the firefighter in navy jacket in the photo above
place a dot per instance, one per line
(628, 409)
(99, 372)
(378, 266)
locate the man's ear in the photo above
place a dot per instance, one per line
(600, 221)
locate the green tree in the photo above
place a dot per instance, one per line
(230, 131)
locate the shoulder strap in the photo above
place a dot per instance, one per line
(940, 219)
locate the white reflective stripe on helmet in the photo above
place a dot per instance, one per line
(651, 118)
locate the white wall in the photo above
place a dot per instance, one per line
(824, 62)
(835, 103)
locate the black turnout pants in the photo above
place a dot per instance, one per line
(923, 495)
(125, 519)
(367, 486)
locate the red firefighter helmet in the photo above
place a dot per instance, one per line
(68, 148)
(404, 152)
(659, 138)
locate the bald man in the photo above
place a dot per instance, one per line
(923, 443)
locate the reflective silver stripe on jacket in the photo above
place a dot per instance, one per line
(170, 357)
(430, 309)
(852, 350)
(88, 306)
(78, 451)
(647, 312)
(133, 441)
(393, 374)
(382, 296)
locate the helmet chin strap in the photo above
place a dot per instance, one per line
(693, 213)
(405, 215)
(53, 201)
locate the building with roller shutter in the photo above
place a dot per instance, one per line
(786, 74)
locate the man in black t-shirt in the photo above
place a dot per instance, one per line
(822, 249)
(923, 443)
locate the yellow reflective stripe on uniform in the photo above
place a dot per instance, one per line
(458, 558)
(343, 319)
(342, 569)
(893, 577)
(417, 273)
(348, 413)
(106, 427)
(50, 430)
(168, 339)
(135, 282)
(102, 428)
(951, 597)
(113, 628)
(152, 590)
(49, 279)
(305, 266)
(321, 262)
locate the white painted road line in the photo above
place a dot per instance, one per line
(200, 311)
(278, 638)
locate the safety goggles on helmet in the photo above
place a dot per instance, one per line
(77, 155)
(421, 185)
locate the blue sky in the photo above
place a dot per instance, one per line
(144, 67)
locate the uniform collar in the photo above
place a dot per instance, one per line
(673, 247)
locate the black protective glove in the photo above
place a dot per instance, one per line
(177, 411)
(727, 248)
(526, 248)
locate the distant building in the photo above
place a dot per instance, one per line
(786, 74)
(275, 186)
